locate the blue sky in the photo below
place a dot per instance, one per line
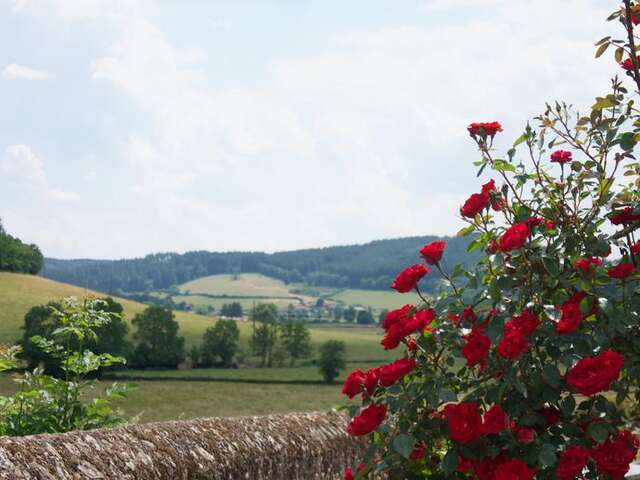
(132, 127)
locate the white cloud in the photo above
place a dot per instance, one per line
(21, 164)
(20, 72)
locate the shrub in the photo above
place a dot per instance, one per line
(220, 343)
(296, 340)
(44, 404)
(42, 321)
(527, 364)
(158, 342)
(332, 359)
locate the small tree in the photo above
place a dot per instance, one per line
(332, 359)
(158, 342)
(233, 310)
(194, 356)
(365, 317)
(265, 334)
(349, 314)
(296, 340)
(220, 343)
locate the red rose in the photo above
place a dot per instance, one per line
(371, 379)
(432, 252)
(354, 383)
(409, 278)
(469, 315)
(635, 248)
(561, 156)
(512, 344)
(570, 320)
(464, 464)
(584, 264)
(494, 420)
(534, 221)
(489, 188)
(615, 456)
(367, 420)
(476, 350)
(526, 323)
(595, 374)
(348, 472)
(412, 345)
(485, 469)
(398, 331)
(525, 434)
(514, 237)
(572, 462)
(513, 470)
(395, 316)
(624, 217)
(550, 414)
(550, 224)
(621, 271)
(577, 298)
(465, 422)
(418, 452)
(392, 372)
(493, 246)
(484, 128)
(628, 63)
(475, 204)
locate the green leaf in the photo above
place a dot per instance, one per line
(552, 264)
(602, 48)
(450, 462)
(547, 455)
(627, 141)
(403, 444)
(602, 103)
(551, 375)
(466, 231)
(522, 138)
(599, 431)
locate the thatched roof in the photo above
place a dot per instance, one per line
(292, 446)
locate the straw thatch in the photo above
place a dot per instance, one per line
(292, 446)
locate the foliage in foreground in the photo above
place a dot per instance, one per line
(45, 404)
(526, 365)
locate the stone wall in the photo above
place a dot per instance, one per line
(293, 446)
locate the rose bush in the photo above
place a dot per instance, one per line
(527, 365)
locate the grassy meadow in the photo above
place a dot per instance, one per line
(174, 394)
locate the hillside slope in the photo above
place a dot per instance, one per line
(369, 266)
(20, 292)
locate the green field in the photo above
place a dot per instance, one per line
(245, 284)
(203, 392)
(376, 299)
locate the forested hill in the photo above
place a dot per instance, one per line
(372, 266)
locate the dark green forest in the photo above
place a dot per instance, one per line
(16, 256)
(371, 266)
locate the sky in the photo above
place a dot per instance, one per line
(132, 127)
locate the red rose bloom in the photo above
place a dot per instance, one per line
(621, 271)
(570, 320)
(484, 128)
(367, 420)
(395, 316)
(354, 383)
(465, 422)
(432, 252)
(475, 204)
(398, 331)
(561, 156)
(572, 462)
(628, 64)
(550, 224)
(584, 264)
(476, 350)
(595, 374)
(409, 278)
(624, 217)
(371, 379)
(495, 199)
(615, 456)
(534, 221)
(526, 323)
(513, 470)
(512, 344)
(412, 345)
(493, 246)
(514, 237)
(348, 472)
(550, 414)
(525, 434)
(392, 372)
(418, 452)
(494, 420)
(635, 248)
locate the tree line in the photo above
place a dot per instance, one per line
(369, 266)
(156, 341)
(16, 256)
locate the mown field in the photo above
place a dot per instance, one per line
(174, 394)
